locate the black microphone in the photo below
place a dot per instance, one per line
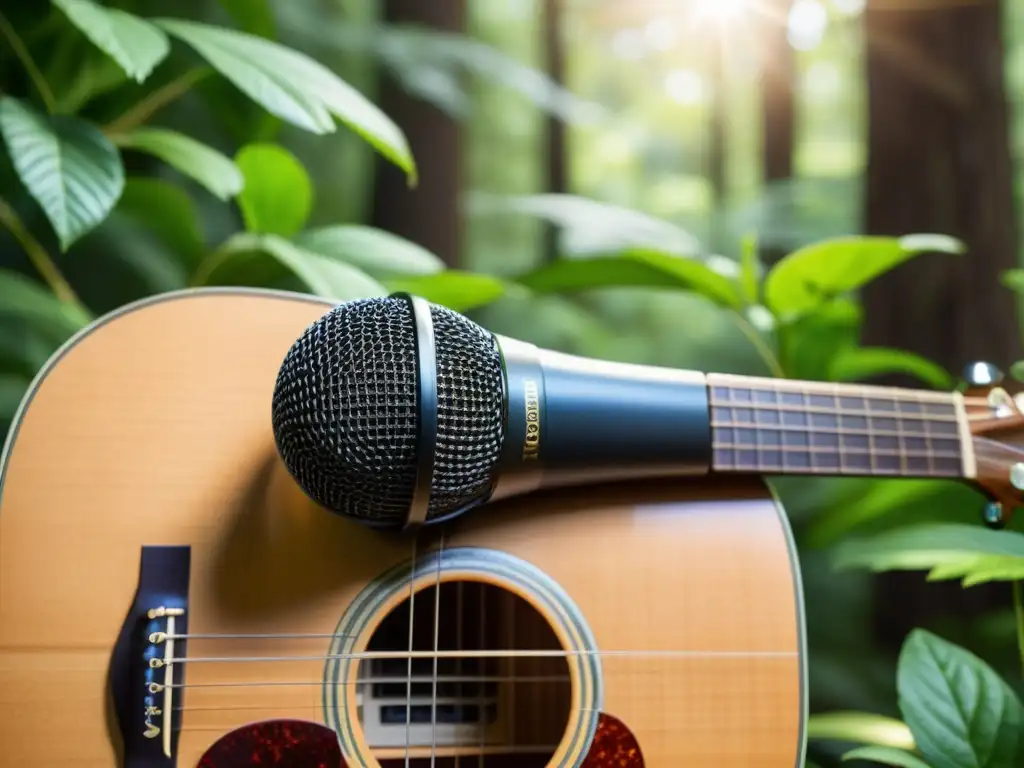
(398, 413)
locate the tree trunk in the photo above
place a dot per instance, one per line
(939, 161)
(557, 170)
(429, 214)
(778, 106)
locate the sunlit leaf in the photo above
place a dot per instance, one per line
(592, 227)
(135, 44)
(855, 363)
(217, 172)
(372, 250)
(278, 194)
(948, 551)
(167, 211)
(66, 164)
(461, 291)
(886, 756)
(962, 714)
(635, 268)
(810, 276)
(293, 86)
(1013, 278)
(319, 274)
(860, 727)
(26, 299)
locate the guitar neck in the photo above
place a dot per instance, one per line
(784, 427)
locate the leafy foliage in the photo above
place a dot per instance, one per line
(962, 714)
(209, 167)
(886, 756)
(136, 45)
(278, 195)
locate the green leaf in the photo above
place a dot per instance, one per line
(948, 551)
(215, 171)
(854, 363)
(1013, 279)
(168, 212)
(886, 756)
(319, 274)
(26, 299)
(809, 342)
(67, 165)
(750, 270)
(636, 268)
(1017, 370)
(277, 195)
(962, 714)
(461, 291)
(294, 87)
(12, 390)
(860, 727)
(810, 276)
(373, 250)
(135, 44)
(253, 16)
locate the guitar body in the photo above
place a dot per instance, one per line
(169, 596)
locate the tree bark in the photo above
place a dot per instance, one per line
(778, 106)
(557, 170)
(429, 214)
(939, 161)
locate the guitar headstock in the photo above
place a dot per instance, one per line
(996, 422)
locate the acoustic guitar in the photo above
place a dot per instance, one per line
(169, 596)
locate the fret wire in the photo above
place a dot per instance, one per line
(805, 398)
(872, 437)
(928, 445)
(853, 451)
(734, 381)
(883, 472)
(810, 429)
(839, 435)
(900, 438)
(952, 419)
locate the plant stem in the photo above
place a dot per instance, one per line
(763, 350)
(1018, 609)
(39, 257)
(157, 100)
(18, 46)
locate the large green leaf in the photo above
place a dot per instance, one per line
(947, 551)
(217, 172)
(860, 727)
(28, 300)
(809, 342)
(135, 44)
(168, 212)
(278, 194)
(319, 274)
(854, 363)
(372, 250)
(461, 291)
(962, 714)
(810, 276)
(67, 165)
(294, 87)
(886, 756)
(636, 268)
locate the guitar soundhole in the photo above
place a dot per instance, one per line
(467, 711)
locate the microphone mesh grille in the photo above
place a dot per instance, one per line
(345, 415)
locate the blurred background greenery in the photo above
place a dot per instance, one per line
(570, 155)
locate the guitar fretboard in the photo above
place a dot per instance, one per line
(778, 426)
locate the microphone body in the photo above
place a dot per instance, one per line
(572, 420)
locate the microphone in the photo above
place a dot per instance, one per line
(398, 413)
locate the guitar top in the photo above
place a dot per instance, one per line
(170, 597)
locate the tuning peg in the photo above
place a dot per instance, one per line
(993, 515)
(982, 374)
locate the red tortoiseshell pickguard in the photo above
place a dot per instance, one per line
(614, 746)
(279, 743)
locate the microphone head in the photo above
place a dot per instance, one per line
(347, 411)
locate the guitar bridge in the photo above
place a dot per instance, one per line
(147, 676)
